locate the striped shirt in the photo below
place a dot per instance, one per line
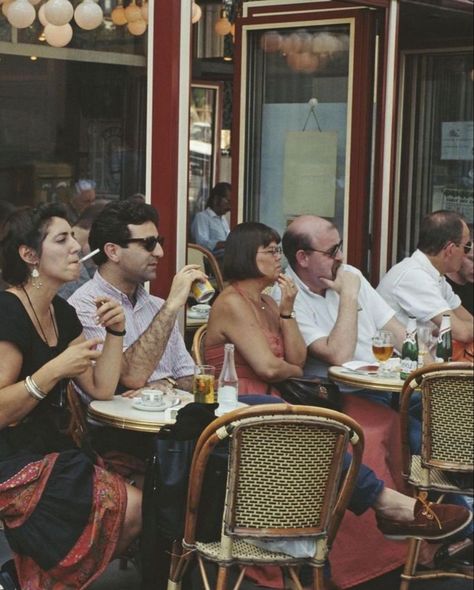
(175, 362)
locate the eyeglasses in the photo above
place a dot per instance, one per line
(467, 247)
(332, 252)
(274, 251)
(149, 243)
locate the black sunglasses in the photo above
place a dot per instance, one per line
(332, 252)
(149, 243)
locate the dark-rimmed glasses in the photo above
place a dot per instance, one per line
(332, 252)
(149, 243)
(467, 247)
(274, 251)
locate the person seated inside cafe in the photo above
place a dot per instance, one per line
(269, 348)
(210, 227)
(65, 517)
(83, 195)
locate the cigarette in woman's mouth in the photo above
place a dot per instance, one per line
(90, 255)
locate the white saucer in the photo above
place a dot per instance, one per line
(192, 315)
(163, 405)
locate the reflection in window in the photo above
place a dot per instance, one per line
(297, 109)
(437, 152)
(61, 120)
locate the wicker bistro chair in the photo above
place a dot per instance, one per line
(283, 480)
(199, 255)
(447, 442)
(197, 348)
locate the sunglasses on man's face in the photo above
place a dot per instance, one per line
(149, 243)
(467, 247)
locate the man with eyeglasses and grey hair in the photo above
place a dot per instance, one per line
(83, 196)
(337, 310)
(417, 285)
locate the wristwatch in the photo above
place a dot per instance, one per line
(288, 317)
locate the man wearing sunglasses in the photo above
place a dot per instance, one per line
(417, 286)
(130, 248)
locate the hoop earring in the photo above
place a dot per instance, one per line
(35, 278)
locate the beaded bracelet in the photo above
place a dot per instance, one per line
(33, 389)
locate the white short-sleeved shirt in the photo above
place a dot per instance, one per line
(415, 287)
(316, 316)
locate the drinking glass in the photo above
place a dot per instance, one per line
(382, 347)
(203, 384)
(426, 343)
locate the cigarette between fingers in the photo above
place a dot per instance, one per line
(90, 255)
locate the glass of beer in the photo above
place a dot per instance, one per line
(203, 384)
(382, 347)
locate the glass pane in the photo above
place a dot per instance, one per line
(201, 147)
(63, 120)
(297, 109)
(437, 161)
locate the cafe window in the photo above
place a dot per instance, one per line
(298, 118)
(436, 161)
(72, 112)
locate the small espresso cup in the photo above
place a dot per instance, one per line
(151, 397)
(202, 291)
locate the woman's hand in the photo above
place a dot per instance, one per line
(110, 313)
(77, 358)
(288, 294)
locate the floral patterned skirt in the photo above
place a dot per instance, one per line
(63, 516)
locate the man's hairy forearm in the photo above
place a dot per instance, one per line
(141, 358)
(185, 383)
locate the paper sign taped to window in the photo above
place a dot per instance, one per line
(309, 173)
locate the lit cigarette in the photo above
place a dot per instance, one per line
(90, 255)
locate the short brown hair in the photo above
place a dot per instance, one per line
(241, 249)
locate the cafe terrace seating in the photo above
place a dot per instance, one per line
(447, 443)
(283, 480)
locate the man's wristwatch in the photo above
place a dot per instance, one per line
(288, 317)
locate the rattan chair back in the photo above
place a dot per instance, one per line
(197, 348)
(448, 426)
(198, 255)
(284, 480)
(447, 444)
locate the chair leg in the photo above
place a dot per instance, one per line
(410, 563)
(318, 578)
(222, 578)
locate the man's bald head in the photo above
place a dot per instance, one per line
(304, 233)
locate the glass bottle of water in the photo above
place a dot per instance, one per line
(444, 347)
(409, 360)
(228, 383)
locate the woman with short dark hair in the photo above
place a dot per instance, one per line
(268, 343)
(65, 516)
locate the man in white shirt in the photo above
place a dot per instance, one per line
(210, 228)
(417, 286)
(336, 308)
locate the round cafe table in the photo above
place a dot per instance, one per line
(361, 379)
(120, 413)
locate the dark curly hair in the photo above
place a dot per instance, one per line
(111, 225)
(27, 226)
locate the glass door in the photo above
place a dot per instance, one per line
(306, 140)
